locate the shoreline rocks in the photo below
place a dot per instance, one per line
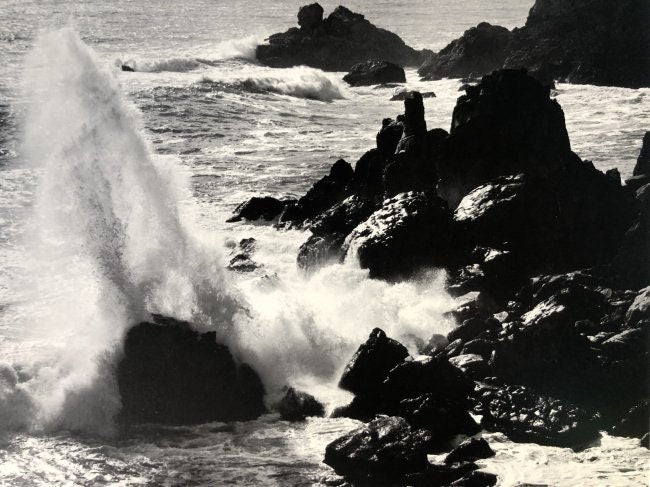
(587, 42)
(336, 43)
(374, 73)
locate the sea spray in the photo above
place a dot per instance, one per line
(106, 230)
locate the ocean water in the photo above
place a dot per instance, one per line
(114, 191)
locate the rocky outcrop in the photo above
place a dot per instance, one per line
(587, 41)
(297, 406)
(505, 125)
(172, 374)
(470, 450)
(525, 416)
(641, 174)
(335, 43)
(371, 363)
(480, 50)
(375, 72)
(260, 208)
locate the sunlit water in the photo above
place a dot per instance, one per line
(114, 190)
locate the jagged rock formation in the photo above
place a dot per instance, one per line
(374, 73)
(335, 43)
(587, 41)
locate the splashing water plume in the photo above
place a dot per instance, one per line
(106, 220)
(107, 247)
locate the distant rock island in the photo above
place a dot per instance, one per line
(597, 42)
(335, 43)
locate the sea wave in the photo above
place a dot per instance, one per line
(299, 82)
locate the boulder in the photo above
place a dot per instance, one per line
(172, 374)
(525, 416)
(389, 136)
(640, 308)
(336, 43)
(325, 193)
(297, 405)
(410, 231)
(444, 418)
(477, 478)
(380, 452)
(643, 162)
(584, 41)
(470, 450)
(259, 208)
(310, 16)
(366, 371)
(242, 261)
(480, 50)
(375, 72)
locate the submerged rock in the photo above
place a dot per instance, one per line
(335, 43)
(297, 405)
(375, 72)
(172, 374)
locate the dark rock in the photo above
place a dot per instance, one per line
(388, 137)
(444, 418)
(127, 68)
(432, 375)
(375, 72)
(172, 374)
(476, 479)
(403, 93)
(242, 262)
(636, 423)
(343, 217)
(370, 365)
(298, 405)
(506, 125)
(643, 162)
(585, 41)
(440, 475)
(310, 16)
(325, 193)
(640, 308)
(361, 408)
(480, 50)
(383, 450)
(318, 251)
(546, 225)
(410, 231)
(256, 208)
(337, 43)
(645, 441)
(525, 416)
(470, 450)
(467, 330)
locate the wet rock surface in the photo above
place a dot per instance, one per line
(172, 374)
(297, 406)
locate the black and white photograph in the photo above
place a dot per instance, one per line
(378, 243)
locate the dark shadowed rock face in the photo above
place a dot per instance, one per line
(336, 43)
(585, 41)
(480, 50)
(297, 405)
(505, 125)
(371, 363)
(172, 374)
(643, 162)
(375, 72)
(325, 193)
(310, 16)
(525, 416)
